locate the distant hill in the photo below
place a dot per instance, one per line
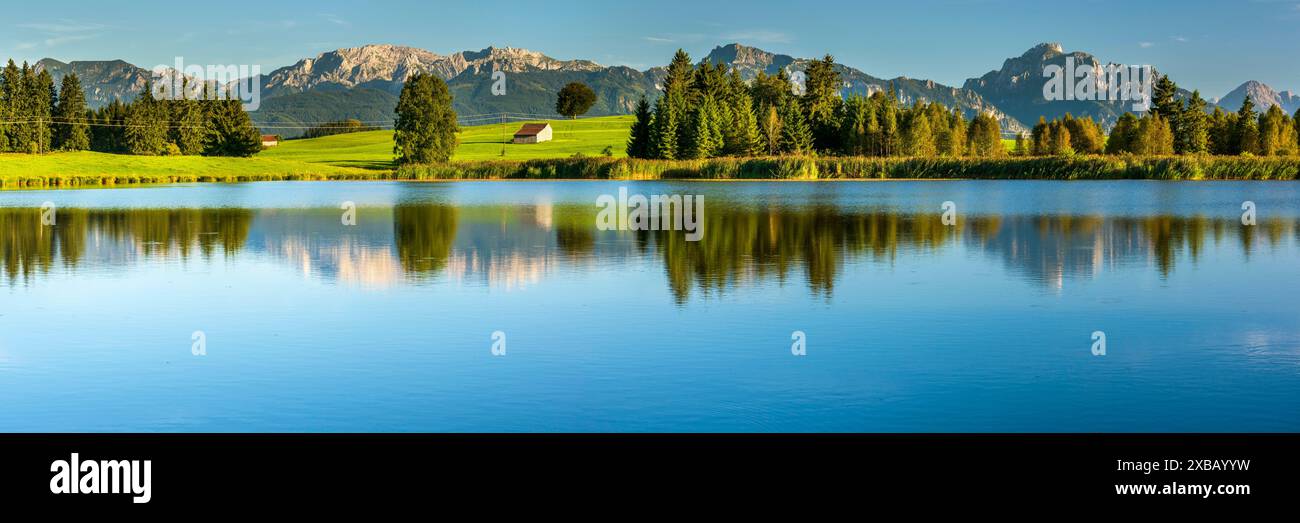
(750, 61)
(1263, 96)
(363, 83)
(1017, 87)
(103, 81)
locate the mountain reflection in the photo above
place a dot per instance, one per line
(515, 246)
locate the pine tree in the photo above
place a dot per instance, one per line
(889, 125)
(742, 136)
(1195, 127)
(770, 127)
(10, 96)
(146, 124)
(638, 143)
(664, 130)
(1246, 135)
(1221, 127)
(796, 136)
(1165, 104)
(821, 102)
(1122, 135)
(704, 134)
(190, 125)
(425, 131)
(72, 133)
(853, 126)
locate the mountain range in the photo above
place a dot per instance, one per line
(364, 82)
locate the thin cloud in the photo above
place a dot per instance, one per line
(759, 36)
(59, 33)
(657, 39)
(334, 19)
(63, 27)
(1145, 45)
(59, 40)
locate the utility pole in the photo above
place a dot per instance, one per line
(503, 134)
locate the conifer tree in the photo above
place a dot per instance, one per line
(796, 136)
(664, 130)
(146, 124)
(1122, 135)
(1247, 132)
(1195, 127)
(742, 136)
(770, 127)
(638, 144)
(72, 132)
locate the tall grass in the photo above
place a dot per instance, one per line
(1123, 167)
(157, 171)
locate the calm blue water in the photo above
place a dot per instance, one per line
(911, 325)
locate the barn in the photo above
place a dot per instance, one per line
(533, 133)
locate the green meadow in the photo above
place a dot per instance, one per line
(374, 149)
(355, 156)
(577, 152)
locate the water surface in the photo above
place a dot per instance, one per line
(911, 324)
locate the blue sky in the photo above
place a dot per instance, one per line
(1210, 45)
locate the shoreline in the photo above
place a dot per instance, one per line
(95, 170)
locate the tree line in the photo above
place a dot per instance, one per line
(704, 111)
(35, 117)
(1172, 127)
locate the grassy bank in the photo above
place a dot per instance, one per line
(837, 168)
(82, 169)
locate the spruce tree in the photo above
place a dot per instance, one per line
(796, 136)
(821, 102)
(10, 93)
(72, 130)
(190, 125)
(638, 143)
(770, 126)
(1122, 135)
(1246, 135)
(664, 130)
(742, 136)
(1195, 127)
(146, 124)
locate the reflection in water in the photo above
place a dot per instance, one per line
(115, 237)
(513, 246)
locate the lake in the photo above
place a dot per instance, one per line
(909, 323)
